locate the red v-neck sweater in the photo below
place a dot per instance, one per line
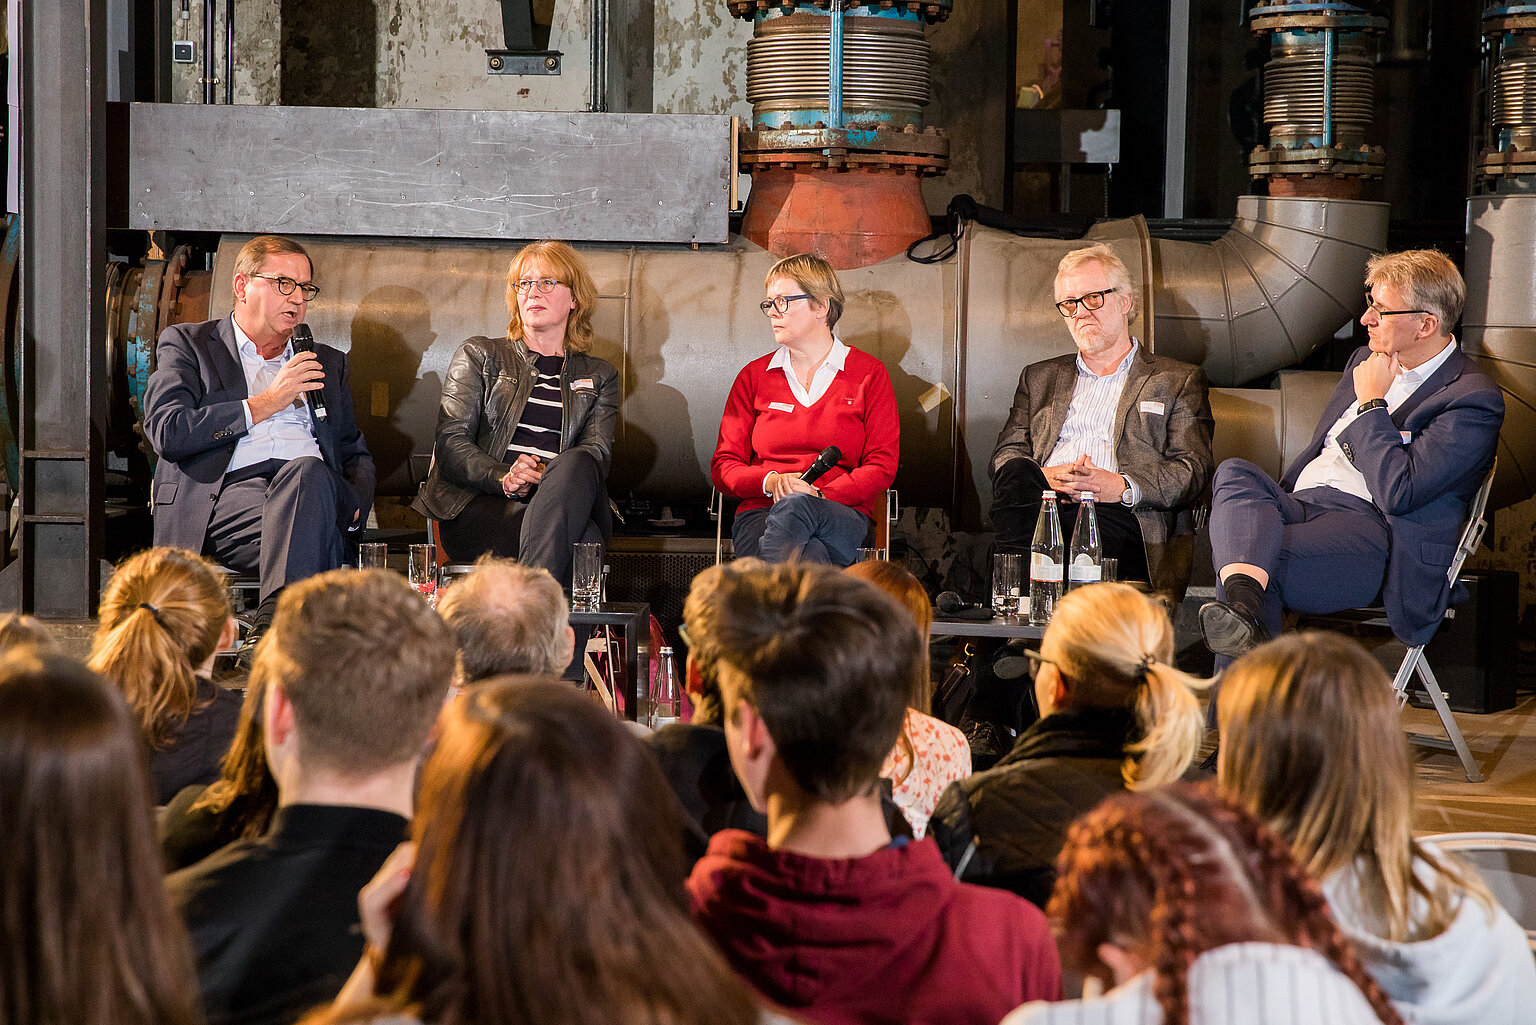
(765, 429)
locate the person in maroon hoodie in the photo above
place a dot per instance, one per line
(828, 916)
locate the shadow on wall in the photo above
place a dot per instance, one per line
(391, 332)
(655, 431)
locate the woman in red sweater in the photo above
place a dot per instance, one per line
(786, 407)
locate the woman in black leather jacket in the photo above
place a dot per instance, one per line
(1115, 715)
(525, 430)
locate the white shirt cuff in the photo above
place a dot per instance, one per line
(246, 405)
(1134, 490)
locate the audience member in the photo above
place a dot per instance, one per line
(1197, 913)
(237, 806)
(543, 883)
(693, 755)
(930, 754)
(86, 936)
(829, 916)
(18, 630)
(508, 618)
(1115, 714)
(164, 616)
(1311, 743)
(355, 668)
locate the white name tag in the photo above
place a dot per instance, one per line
(1407, 436)
(585, 382)
(782, 407)
(1152, 407)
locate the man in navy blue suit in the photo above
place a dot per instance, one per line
(1374, 506)
(251, 473)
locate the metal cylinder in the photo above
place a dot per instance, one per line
(1509, 159)
(1297, 104)
(885, 75)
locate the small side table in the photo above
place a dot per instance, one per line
(634, 618)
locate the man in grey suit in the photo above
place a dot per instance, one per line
(262, 466)
(1130, 427)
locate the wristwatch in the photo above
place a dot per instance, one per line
(1125, 496)
(1370, 404)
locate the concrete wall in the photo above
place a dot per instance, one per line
(258, 63)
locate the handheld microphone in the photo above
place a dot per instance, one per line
(829, 458)
(304, 341)
(955, 607)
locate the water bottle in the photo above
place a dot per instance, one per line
(1084, 558)
(1047, 553)
(666, 697)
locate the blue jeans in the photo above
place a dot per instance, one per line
(801, 526)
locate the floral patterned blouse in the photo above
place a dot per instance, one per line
(943, 756)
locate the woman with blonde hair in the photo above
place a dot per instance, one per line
(1311, 743)
(1194, 912)
(164, 616)
(87, 936)
(930, 754)
(1114, 715)
(525, 428)
(543, 883)
(811, 394)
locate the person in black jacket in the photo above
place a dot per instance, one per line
(525, 429)
(1115, 715)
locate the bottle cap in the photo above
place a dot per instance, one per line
(1086, 496)
(664, 650)
(1047, 493)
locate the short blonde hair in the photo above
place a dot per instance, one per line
(1114, 646)
(1106, 257)
(1427, 279)
(816, 279)
(255, 253)
(559, 259)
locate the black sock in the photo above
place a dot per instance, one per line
(264, 613)
(1246, 593)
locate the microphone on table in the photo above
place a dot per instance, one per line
(304, 341)
(955, 607)
(829, 458)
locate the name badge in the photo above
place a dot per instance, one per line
(584, 384)
(1407, 436)
(1152, 407)
(782, 407)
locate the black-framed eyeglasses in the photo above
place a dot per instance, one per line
(543, 286)
(286, 285)
(1370, 305)
(780, 303)
(1090, 300)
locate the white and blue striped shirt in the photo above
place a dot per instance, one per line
(1090, 423)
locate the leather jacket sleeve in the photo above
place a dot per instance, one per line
(461, 418)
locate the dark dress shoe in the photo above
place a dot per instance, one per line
(1229, 630)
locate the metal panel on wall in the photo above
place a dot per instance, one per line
(490, 174)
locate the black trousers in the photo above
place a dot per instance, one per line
(569, 505)
(282, 520)
(1016, 489)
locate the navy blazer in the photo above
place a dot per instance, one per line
(1422, 463)
(193, 417)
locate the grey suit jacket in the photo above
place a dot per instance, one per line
(1167, 453)
(193, 417)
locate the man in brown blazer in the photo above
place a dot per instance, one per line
(1130, 427)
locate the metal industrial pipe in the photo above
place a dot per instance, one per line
(1283, 279)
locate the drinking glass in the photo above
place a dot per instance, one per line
(586, 575)
(1109, 569)
(422, 571)
(1007, 582)
(373, 555)
(867, 555)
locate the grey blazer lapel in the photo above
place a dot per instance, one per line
(1060, 382)
(1136, 377)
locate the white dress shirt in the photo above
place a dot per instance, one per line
(288, 434)
(820, 381)
(1090, 423)
(1331, 468)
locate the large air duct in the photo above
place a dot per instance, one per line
(838, 149)
(1278, 284)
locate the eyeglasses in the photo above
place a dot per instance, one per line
(543, 286)
(1036, 660)
(287, 285)
(1091, 301)
(1370, 305)
(780, 303)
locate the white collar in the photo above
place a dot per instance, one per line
(836, 356)
(246, 346)
(1084, 368)
(1423, 370)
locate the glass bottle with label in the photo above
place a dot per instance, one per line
(1047, 554)
(1085, 556)
(665, 701)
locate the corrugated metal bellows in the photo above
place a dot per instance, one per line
(885, 68)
